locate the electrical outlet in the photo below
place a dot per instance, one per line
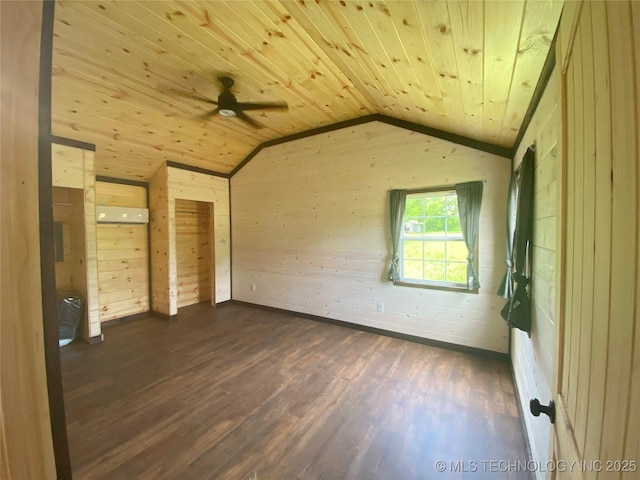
(380, 307)
(253, 287)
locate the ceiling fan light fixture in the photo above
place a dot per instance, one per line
(229, 107)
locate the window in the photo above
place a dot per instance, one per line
(432, 248)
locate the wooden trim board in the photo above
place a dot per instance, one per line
(126, 319)
(95, 340)
(163, 316)
(122, 181)
(545, 76)
(191, 168)
(516, 392)
(69, 142)
(379, 331)
(47, 259)
(376, 117)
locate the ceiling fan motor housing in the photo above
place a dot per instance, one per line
(227, 104)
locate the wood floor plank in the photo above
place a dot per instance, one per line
(242, 393)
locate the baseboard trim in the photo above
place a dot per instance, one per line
(126, 319)
(518, 399)
(94, 340)
(164, 316)
(380, 331)
(223, 303)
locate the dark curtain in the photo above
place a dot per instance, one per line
(505, 290)
(517, 311)
(397, 200)
(524, 219)
(469, 202)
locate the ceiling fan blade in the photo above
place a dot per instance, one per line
(263, 106)
(194, 96)
(248, 119)
(209, 114)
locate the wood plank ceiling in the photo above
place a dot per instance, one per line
(465, 67)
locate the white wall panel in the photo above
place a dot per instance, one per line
(532, 357)
(310, 231)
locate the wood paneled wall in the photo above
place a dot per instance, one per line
(67, 166)
(71, 273)
(26, 449)
(167, 185)
(599, 369)
(159, 220)
(187, 185)
(310, 232)
(533, 356)
(123, 255)
(73, 170)
(64, 206)
(193, 253)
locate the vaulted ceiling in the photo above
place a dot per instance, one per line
(121, 69)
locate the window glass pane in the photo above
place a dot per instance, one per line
(452, 205)
(435, 206)
(456, 250)
(434, 250)
(453, 225)
(435, 226)
(412, 249)
(414, 207)
(412, 269)
(434, 271)
(413, 226)
(457, 272)
(432, 245)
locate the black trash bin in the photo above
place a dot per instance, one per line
(70, 313)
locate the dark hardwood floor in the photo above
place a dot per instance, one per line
(241, 393)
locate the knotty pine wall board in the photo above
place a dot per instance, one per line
(599, 355)
(160, 253)
(73, 169)
(469, 68)
(533, 357)
(123, 252)
(310, 230)
(167, 186)
(213, 190)
(193, 254)
(25, 423)
(63, 212)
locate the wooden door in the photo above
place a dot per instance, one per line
(598, 336)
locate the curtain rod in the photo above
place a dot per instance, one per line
(435, 189)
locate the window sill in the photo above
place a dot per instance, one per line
(435, 286)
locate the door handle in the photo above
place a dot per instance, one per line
(549, 410)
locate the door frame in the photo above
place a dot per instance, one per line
(563, 445)
(47, 257)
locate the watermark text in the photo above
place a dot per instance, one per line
(501, 466)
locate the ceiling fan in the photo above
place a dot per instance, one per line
(228, 106)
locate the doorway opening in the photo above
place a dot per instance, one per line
(194, 252)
